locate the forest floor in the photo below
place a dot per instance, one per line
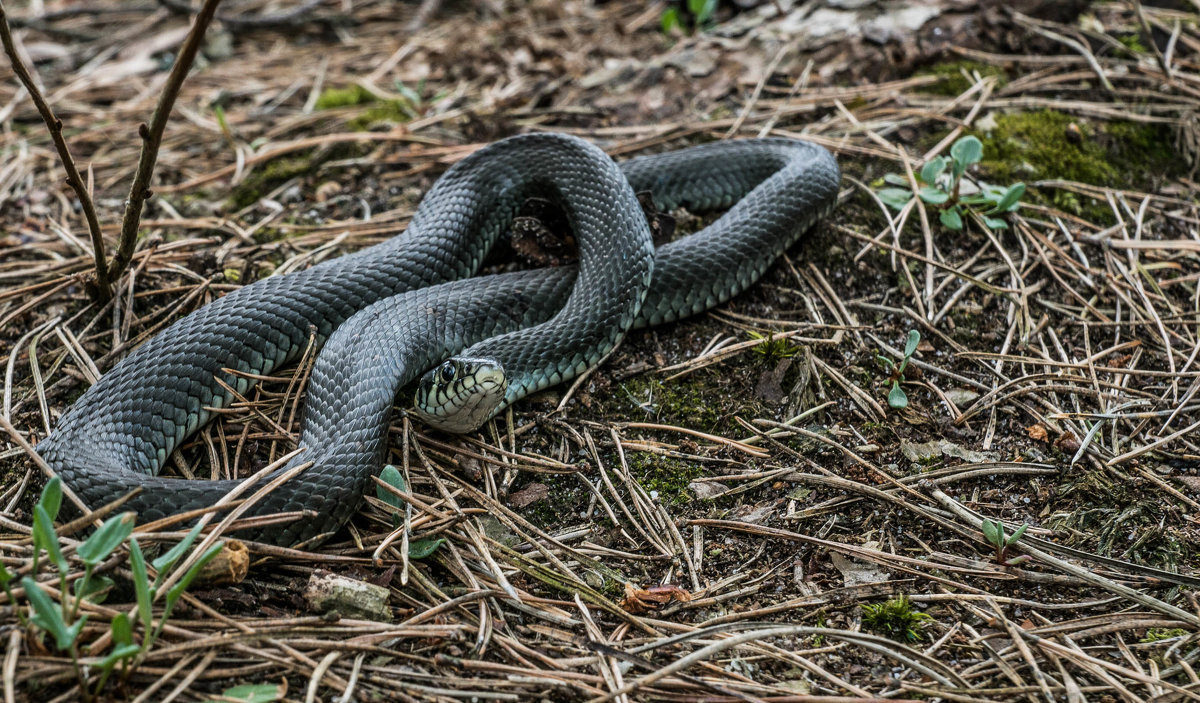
(729, 508)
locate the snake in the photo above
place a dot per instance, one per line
(412, 304)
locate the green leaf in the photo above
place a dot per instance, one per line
(896, 180)
(409, 94)
(166, 561)
(669, 21)
(1017, 535)
(51, 498)
(392, 477)
(141, 584)
(895, 198)
(994, 222)
(48, 615)
(967, 150)
(933, 169)
(5, 575)
(991, 531)
(702, 9)
(933, 196)
(181, 586)
(103, 541)
(1011, 200)
(897, 398)
(421, 548)
(44, 537)
(93, 589)
(951, 219)
(122, 629)
(254, 693)
(910, 347)
(124, 651)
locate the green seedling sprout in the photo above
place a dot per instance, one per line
(897, 398)
(993, 532)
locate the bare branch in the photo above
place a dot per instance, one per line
(152, 138)
(55, 125)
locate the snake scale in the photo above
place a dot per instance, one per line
(387, 313)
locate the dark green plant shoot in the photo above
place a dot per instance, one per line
(897, 398)
(700, 12)
(993, 532)
(945, 185)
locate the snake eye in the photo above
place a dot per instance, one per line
(446, 372)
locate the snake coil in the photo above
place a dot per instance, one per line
(389, 312)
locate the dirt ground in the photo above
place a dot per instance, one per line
(730, 508)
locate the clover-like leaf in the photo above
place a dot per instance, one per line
(910, 346)
(895, 198)
(994, 222)
(933, 169)
(1011, 200)
(951, 219)
(933, 196)
(392, 477)
(967, 150)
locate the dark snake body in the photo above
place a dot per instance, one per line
(397, 308)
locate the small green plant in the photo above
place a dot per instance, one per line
(942, 185)
(993, 532)
(61, 619)
(773, 347)
(701, 12)
(897, 398)
(895, 618)
(418, 548)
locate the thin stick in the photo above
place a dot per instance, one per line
(151, 136)
(55, 125)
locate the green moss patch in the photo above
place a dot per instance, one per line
(347, 96)
(1050, 145)
(953, 76)
(268, 177)
(666, 476)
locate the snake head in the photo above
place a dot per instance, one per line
(461, 393)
